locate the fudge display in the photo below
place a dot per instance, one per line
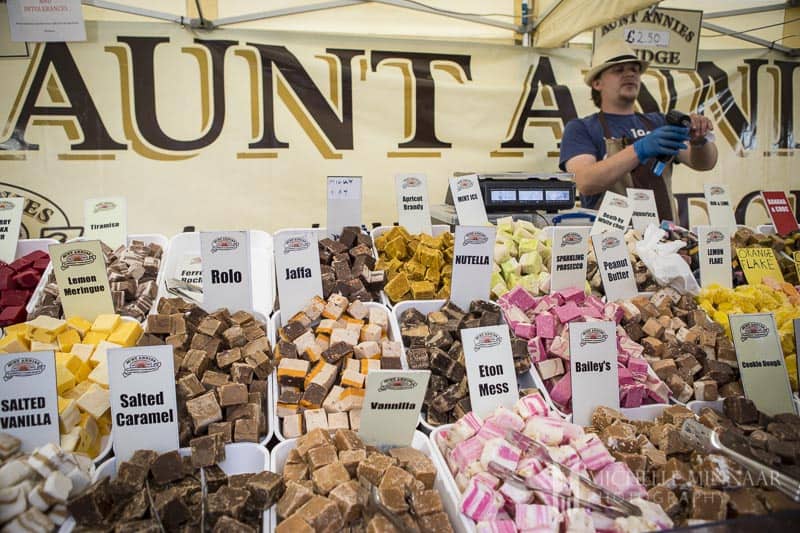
(521, 258)
(132, 273)
(329, 480)
(18, 280)
(324, 354)
(35, 487)
(348, 266)
(418, 267)
(81, 348)
(223, 362)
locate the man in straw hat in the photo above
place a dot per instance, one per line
(619, 148)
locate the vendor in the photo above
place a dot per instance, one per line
(617, 147)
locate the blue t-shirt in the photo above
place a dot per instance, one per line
(585, 136)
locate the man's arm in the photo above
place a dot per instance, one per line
(702, 152)
(593, 176)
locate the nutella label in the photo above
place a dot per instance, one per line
(593, 366)
(227, 277)
(344, 204)
(490, 368)
(780, 212)
(758, 263)
(715, 256)
(615, 266)
(468, 200)
(614, 214)
(80, 270)
(758, 351)
(413, 212)
(645, 211)
(297, 269)
(472, 264)
(106, 219)
(10, 221)
(144, 410)
(720, 210)
(568, 257)
(392, 404)
(28, 398)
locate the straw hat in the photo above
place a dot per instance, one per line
(611, 53)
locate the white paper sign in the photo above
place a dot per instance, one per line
(615, 266)
(593, 367)
(297, 270)
(715, 256)
(144, 411)
(761, 364)
(106, 219)
(392, 404)
(472, 264)
(227, 270)
(614, 214)
(344, 203)
(28, 398)
(720, 210)
(490, 368)
(569, 257)
(46, 20)
(190, 270)
(468, 200)
(80, 270)
(10, 220)
(413, 211)
(645, 211)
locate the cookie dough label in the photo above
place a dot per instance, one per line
(720, 210)
(472, 264)
(106, 219)
(490, 368)
(715, 256)
(593, 364)
(392, 404)
(227, 270)
(614, 214)
(645, 211)
(297, 269)
(413, 211)
(80, 270)
(468, 200)
(10, 222)
(615, 266)
(344, 203)
(568, 259)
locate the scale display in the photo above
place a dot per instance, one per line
(520, 192)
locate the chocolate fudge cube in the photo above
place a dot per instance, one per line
(208, 450)
(167, 467)
(322, 514)
(328, 477)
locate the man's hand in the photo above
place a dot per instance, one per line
(700, 127)
(664, 141)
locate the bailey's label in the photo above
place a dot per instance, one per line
(144, 411)
(593, 366)
(80, 270)
(758, 263)
(10, 221)
(490, 368)
(413, 211)
(780, 212)
(297, 269)
(392, 404)
(614, 214)
(468, 200)
(761, 364)
(106, 219)
(472, 264)
(569, 257)
(720, 210)
(344, 204)
(227, 270)
(715, 256)
(614, 263)
(645, 211)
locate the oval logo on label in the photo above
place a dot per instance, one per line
(140, 364)
(593, 336)
(295, 244)
(411, 182)
(618, 202)
(399, 383)
(609, 242)
(716, 190)
(571, 238)
(76, 257)
(487, 340)
(463, 183)
(104, 206)
(640, 196)
(5, 205)
(22, 367)
(475, 237)
(714, 236)
(224, 244)
(753, 330)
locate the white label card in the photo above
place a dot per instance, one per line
(715, 256)
(297, 270)
(490, 368)
(392, 404)
(28, 398)
(569, 257)
(615, 266)
(106, 219)
(46, 20)
(144, 410)
(645, 211)
(720, 210)
(227, 270)
(472, 264)
(468, 200)
(80, 270)
(413, 211)
(10, 221)
(344, 204)
(758, 350)
(593, 367)
(614, 214)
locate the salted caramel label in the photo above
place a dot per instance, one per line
(344, 204)
(614, 263)
(392, 404)
(569, 257)
(758, 263)
(614, 214)
(227, 268)
(413, 211)
(80, 270)
(490, 368)
(10, 221)
(714, 256)
(593, 367)
(720, 209)
(468, 201)
(106, 219)
(472, 264)
(297, 269)
(28, 398)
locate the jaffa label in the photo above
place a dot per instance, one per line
(77, 257)
(463, 183)
(398, 383)
(410, 183)
(104, 206)
(609, 242)
(571, 238)
(714, 236)
(295, 244)
(224, 244)
(487, 340)
(22, 367)
(140, 364)
(475, 237)
(753, 330)
(593, 336)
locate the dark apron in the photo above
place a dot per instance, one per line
(641, 177)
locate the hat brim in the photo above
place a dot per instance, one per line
(595, 71)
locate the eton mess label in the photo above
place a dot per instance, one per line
(392, 404)
(472, 264)
(614, 214)
(297, 269)
(614, 263)
(468, 200)
(413, 210)
(106, 219)
(10, 222)
(715, 256)
(569, 258)
(80, 271)
(593, 363)
(226, 264)
(490, 368)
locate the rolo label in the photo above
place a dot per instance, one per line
(468, 200)
(593, 367)
(715, 256)
(720, 210)
(10, 221)
(297, 269)
(227, 270)
(615, 266)
(413, 211)
(490, 368)
(472, 264)
(614, 214)
(80, 270)
(569, 257)
(758, 263)
(645, 211)
(344, 203)
(106, 219)
(392, 404)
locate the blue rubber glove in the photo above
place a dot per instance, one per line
(665, 141)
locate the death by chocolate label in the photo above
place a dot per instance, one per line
(618, 202)
(487, 340)
(76, 257)
(140, 364)
(22, 367)
(224, 244)
(753, 330)
(295, 244)
(593, 336)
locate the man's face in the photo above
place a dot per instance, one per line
(619, 82)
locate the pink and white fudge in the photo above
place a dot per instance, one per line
(503, 525)
(535, 517)
(593, 453)
(479, 502)
(577, 521)
(619, 479)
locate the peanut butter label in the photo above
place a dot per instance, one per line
(720, 209)
(593, 368)
(297, 269)
(472, 264)
(758, 263)
(614, 262)
(468, 201)
(392, 404)
(568, 259)
(614, 214)
(645, 211)
(714, 256)
(490, 368)
(10, 221)
(227, 270)
(413, 210)
(344, 203)
(80, 270)
(106, 219)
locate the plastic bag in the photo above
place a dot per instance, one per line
(663, 260)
